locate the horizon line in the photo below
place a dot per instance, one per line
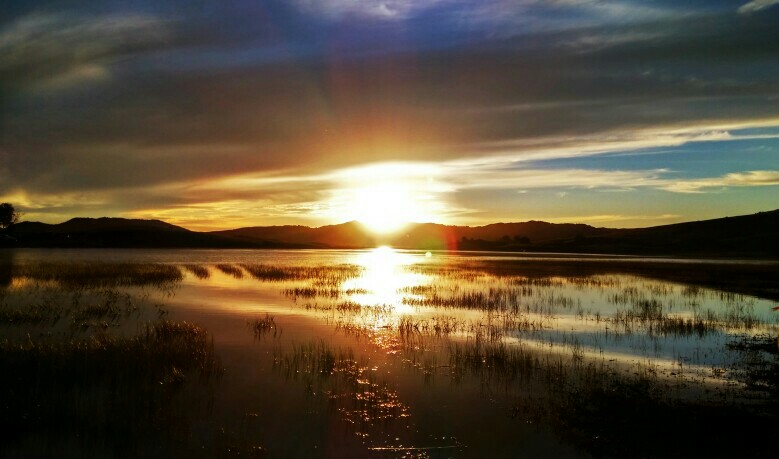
(405, 224)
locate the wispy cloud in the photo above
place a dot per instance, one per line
(737, 179)
(381, 9)
(488, 177)
(756, 5)
(60, 50)
(611, 218)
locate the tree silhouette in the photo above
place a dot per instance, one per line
(8, 215)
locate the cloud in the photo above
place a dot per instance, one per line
(473, 100)
(493, 177)
(378, 9)
(513, 17)
(269, 104)
(755, 6)
(66, 49)
(736, 179)
(610, 218)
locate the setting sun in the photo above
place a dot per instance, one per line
(385, 208)
(386, 197)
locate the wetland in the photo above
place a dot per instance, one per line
(385, 353)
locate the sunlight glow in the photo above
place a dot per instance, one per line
(385, 197)
(385, 275)
(385, 208)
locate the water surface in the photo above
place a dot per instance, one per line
(384, 353)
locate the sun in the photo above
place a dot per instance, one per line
(387, 197)
(385, 208)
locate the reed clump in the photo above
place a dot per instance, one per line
(199, 271)
(332, 276)
(118, 389)
(262, 326)
(349, 384)
(230, 270)
(78, 275)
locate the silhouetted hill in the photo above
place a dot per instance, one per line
(755, 236)
(116, 224)
(346, 235)
(118, 233)
(744, 236)
(496, 236)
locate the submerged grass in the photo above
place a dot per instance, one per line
(230, 270)
(732, 278)
(199, 271)
(79, 275)
(330, 276)
(262, 326)
(39, 313)
(369, 405)
(609, 413)
(483, 323)
(78, 308)
(116, 391)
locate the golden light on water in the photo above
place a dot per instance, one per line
(386, 274)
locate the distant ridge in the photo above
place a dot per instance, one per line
(81, 224)
(117, 233)
(751, 236)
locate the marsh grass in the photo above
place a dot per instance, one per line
(43, 312)
(324, 292)
(330, 276)
(311, 292)
(605, 312)
(78, 275)
(231, 270)
(263, 326)
(78, 309)
(758, 366)
(439, 325)
(531, 303)
(199, 271)
(733, 279)
(618, 417)
(121, 392)
(608, 412)
(352, 388)
(531, 331)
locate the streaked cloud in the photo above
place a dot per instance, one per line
(63, 49)
(383, 9)
(613, 219)
(736, 179)
(756, 5)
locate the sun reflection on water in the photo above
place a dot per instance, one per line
(385, 274)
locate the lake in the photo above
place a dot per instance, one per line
(385, 353)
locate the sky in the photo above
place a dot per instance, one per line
(213, 115)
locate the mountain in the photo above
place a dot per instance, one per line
(343, 236)
(754, 236)
(113, 232)
(428, 236)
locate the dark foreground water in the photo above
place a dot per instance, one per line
(384, 353)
